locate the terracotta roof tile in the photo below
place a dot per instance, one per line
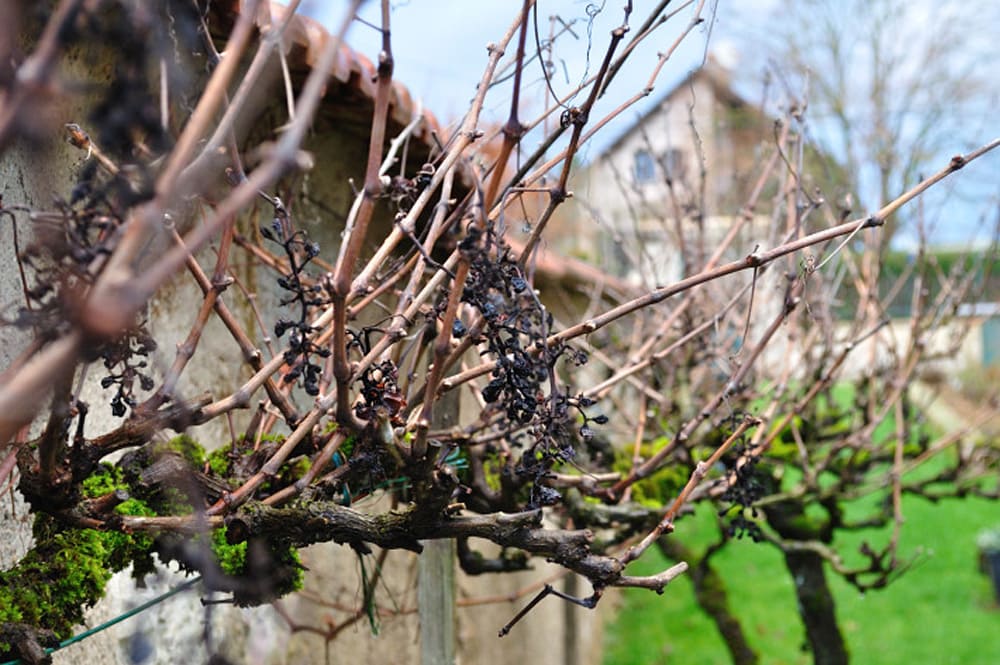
(352, 69)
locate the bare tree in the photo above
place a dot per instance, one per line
(891, 85)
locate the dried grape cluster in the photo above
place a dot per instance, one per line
(299, 251)
(71, 243)
(403, 191)
(511, 317)
(743, 492)
(69, 246)
(124, 358)
(554, 439)
(539, 414)
(381, 394)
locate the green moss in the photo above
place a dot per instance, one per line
(134, 507)
(187, 448)
(67, 570)
(295, 469)
(289, 560)
(218, 461)
(65, 573)
(232, 558)
(491, 472)
(274, 570)
(104, 480)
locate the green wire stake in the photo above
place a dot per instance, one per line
(118, 619)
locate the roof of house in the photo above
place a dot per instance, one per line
(304, 39)
(712, 72)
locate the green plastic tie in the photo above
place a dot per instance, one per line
(118, 619)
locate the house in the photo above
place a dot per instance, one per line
(653, 205)
(687, 161)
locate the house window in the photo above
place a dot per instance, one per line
(673, 164)
(644, 167)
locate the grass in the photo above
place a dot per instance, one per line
(941, 611)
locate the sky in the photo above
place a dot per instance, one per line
(439, 49)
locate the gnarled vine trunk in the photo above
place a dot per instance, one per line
(710, 594)
(817, 608)
(816, 605)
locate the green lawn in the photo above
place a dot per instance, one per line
(941, 611)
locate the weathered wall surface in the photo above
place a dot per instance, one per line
(35, 175)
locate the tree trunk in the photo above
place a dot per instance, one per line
(816, 607)
(710, 594)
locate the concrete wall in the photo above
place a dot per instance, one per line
(35, 174)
